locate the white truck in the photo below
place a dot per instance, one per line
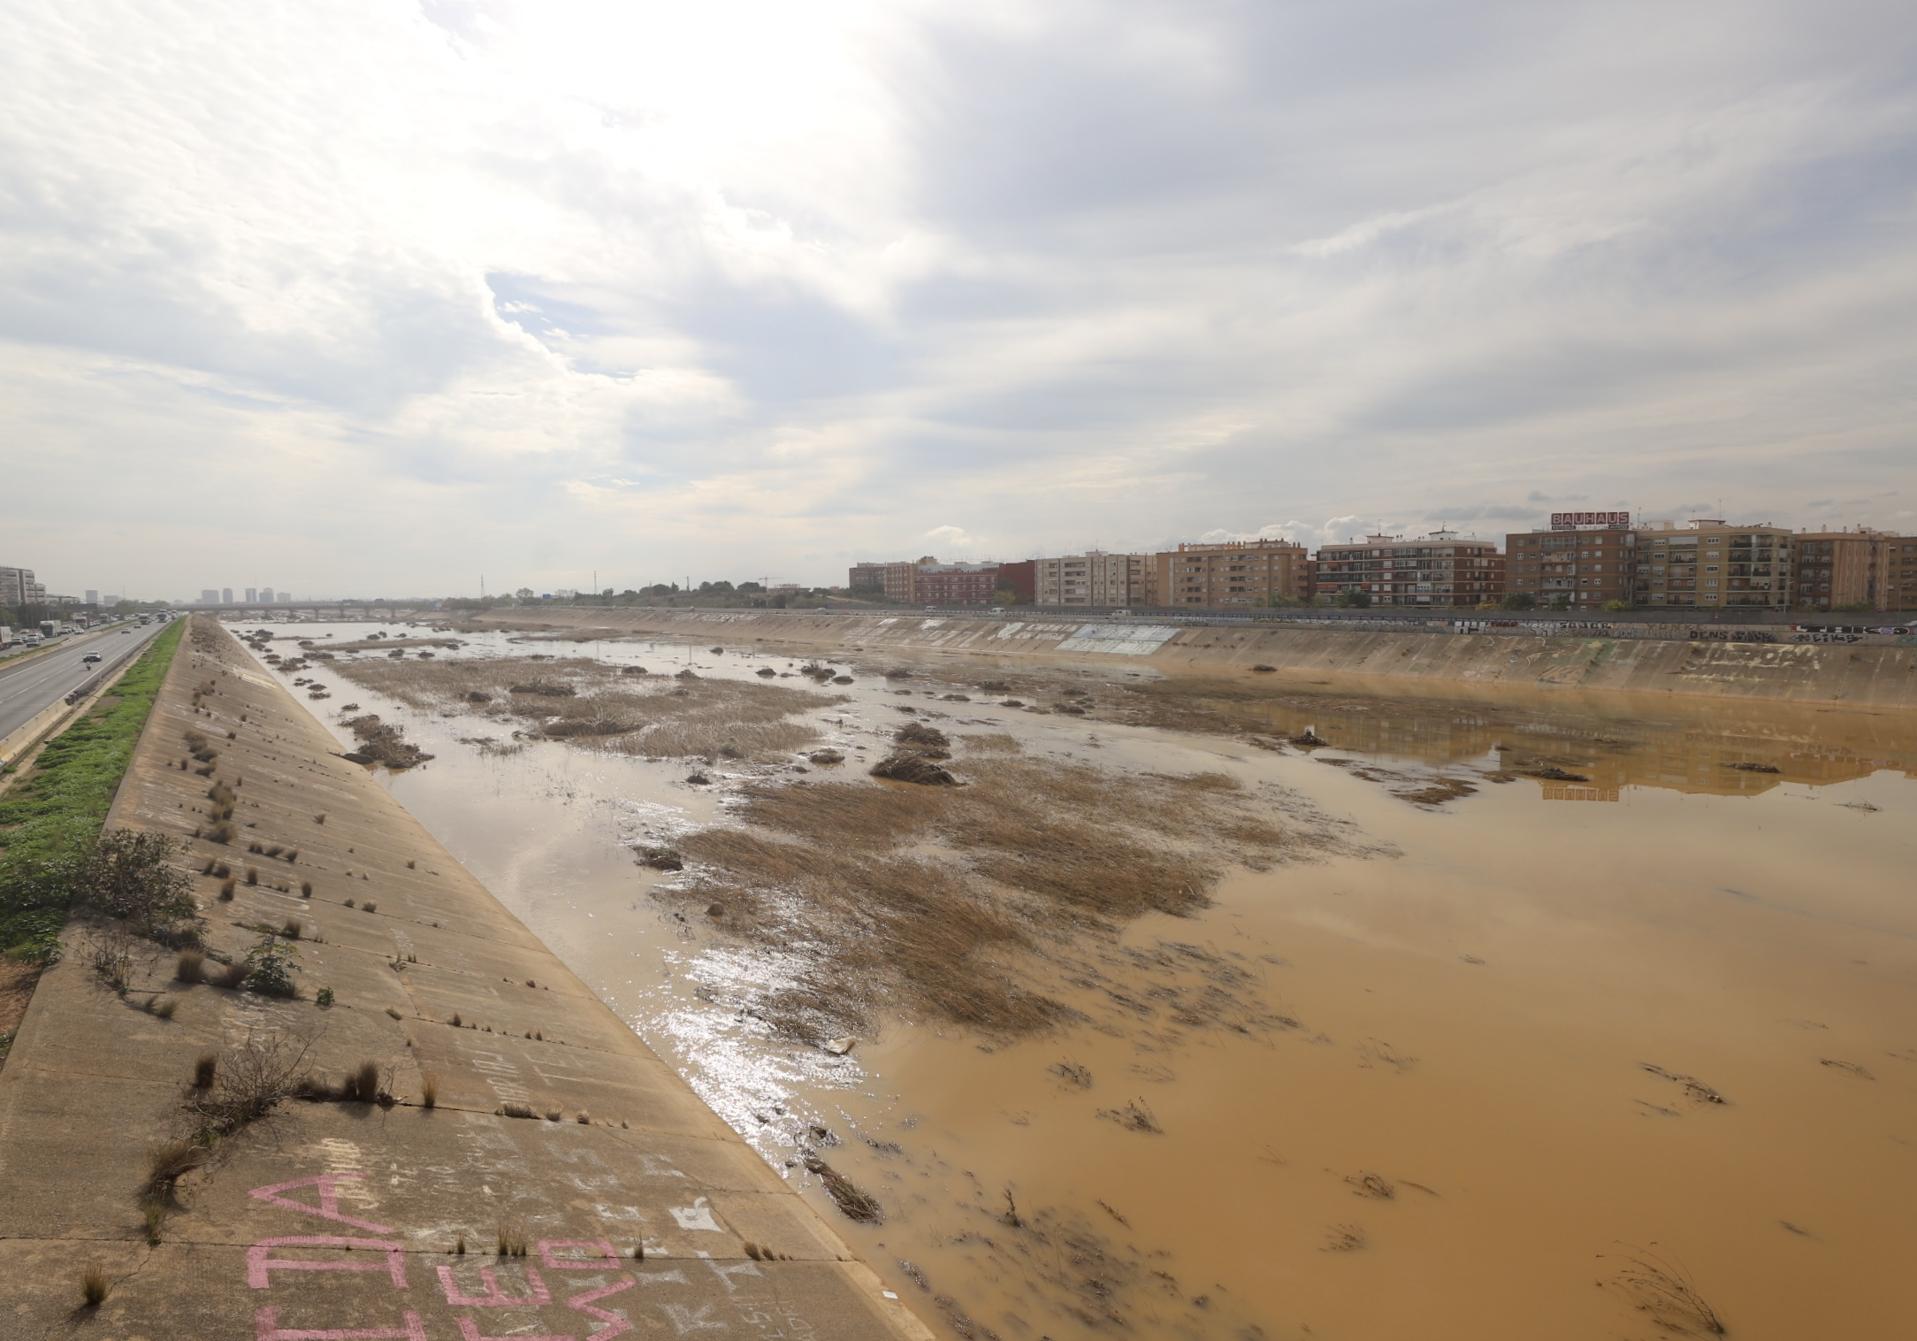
(6, 635)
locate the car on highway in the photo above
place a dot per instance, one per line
(90, 658)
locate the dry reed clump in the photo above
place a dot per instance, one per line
(1661, 1289)
(1026, 858)
(589, 703)
(382, 743)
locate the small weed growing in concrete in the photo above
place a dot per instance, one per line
(456, 1022)
(269, 968)
(293, 929)
(512, 1241)
(191, 968)
(351, 904)
(204, 1070)
(429, 1091)
(161, 1007)
(227, 886)
(584, 1119)
(94, 1286)
(252, 876)
(113, 961)
(166, 1164)
(370, 907)
(362, 1086)
(306, 889)
(323, 998)
(459, 1248)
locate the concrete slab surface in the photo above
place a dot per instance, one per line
(638, 1210)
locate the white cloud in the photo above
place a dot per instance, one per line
(543, 285)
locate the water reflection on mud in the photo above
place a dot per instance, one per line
(1427, 1094)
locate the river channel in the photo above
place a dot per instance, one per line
(1577, 1003)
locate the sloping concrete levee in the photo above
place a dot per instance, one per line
(630, 1208)
(1876, 674)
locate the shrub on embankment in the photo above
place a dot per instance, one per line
(51, 818)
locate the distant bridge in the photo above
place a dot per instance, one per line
(318, 610)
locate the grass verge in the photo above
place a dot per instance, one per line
(50, 819)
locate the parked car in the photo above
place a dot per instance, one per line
(90, 658)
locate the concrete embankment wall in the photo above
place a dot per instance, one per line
(360, 1219)
(1855, 675)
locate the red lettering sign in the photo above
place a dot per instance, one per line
(1566, 521)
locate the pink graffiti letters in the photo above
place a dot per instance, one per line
(267, 1328)
(378, 1251)
(537, 1293)
(260, 1259)
(327, 1185)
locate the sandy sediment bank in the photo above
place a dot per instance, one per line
(523, 1163)
(1863, 675)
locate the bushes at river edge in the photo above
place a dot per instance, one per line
(51, 818)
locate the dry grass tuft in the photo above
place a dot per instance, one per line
(1661, 1289)
(924, 899)
(166, 1164)
(593, 704)
(94, 1286)
(429, 1090)
(362, 1086)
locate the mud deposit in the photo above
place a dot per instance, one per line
(1194, 1011)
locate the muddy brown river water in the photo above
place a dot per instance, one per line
(1611, 1052)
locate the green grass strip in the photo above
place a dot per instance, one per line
(50, 818)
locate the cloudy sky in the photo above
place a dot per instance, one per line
(376, 296)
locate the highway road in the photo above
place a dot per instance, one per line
(28, 689)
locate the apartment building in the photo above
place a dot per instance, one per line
(1585, 561)
(1853, 568)
(1019, 580)
(954, 583)
(892, 581)
(1433, 570)
(1899, 591)
(209, 595)
(1227, 573)
(1094, 578)
(1709, 564)
(18, 587)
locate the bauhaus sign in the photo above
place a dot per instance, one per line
(1565, 521)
